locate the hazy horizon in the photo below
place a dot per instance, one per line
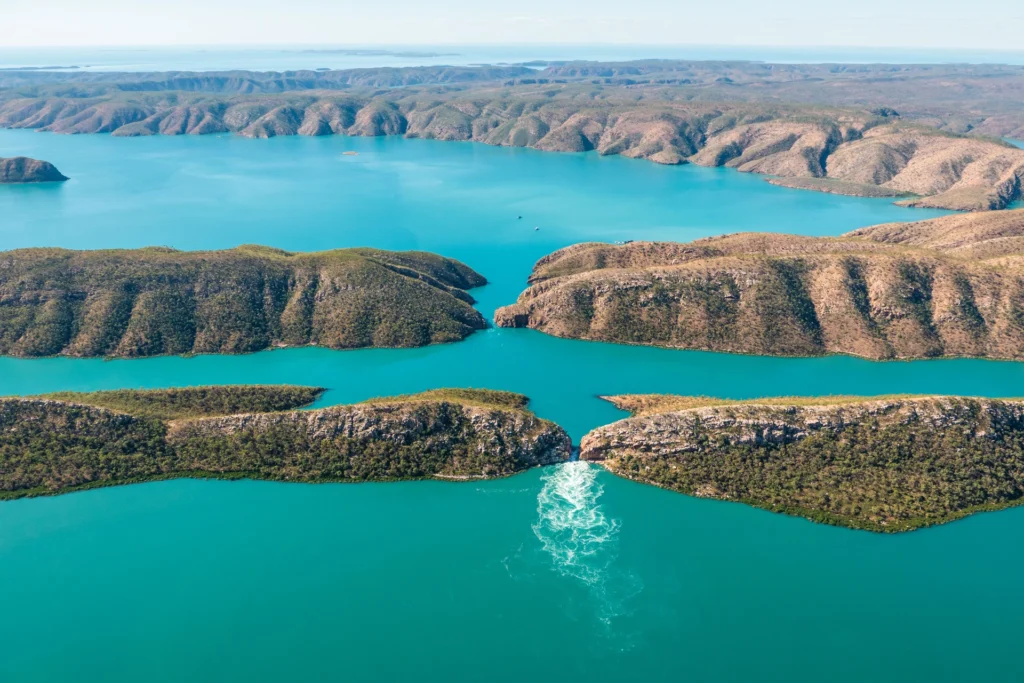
(985, 25)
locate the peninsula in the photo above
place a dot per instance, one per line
(65, 442)
(146, 302)
(891, 463)
(950, 286)
(819, 127)
(25, 170)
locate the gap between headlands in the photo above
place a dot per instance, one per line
(891, 463)
(950, 286)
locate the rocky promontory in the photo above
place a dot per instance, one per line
(861, 150)
(25, 170)
(55, 444)
(884, 464)
(952, 286)
(146, 302)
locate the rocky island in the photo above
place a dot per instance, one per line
(819, 127)
(951, 286)
(146, 302)
(24, 170)
(68, 441)
(883, 464)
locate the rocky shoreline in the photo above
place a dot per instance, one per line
(847, 149)
(950, 286)
(50, 446)
(882, 464)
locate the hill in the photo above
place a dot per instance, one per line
(146, 302)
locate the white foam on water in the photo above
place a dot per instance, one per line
(582, 541)
(572, 527)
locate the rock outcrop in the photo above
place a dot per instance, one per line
(851, 151)
(952, 286)
(25, 170)
(52, 446)
(884, 464)
(146, 302)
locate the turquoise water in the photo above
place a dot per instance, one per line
(1018, 143)
(558, 574)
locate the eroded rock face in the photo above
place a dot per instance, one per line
(442, 439)
(25, 170)
(50, 446)
(887, 464)
(948, 287)
(853, 151)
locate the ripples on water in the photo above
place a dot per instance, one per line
(580, 538)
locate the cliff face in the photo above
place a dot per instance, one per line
(952, 286)
(49, 446)
(849, 151)
(887, 464)
(25, 170)
(159, 301)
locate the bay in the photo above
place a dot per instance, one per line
(561, 573)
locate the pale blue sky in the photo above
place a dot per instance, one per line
(979, 24)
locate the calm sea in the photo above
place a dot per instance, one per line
(565, 573)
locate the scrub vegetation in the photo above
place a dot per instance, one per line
(50, 446)
(147, 302)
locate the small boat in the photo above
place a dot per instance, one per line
(536, 228)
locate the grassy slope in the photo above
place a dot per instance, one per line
(160, 301)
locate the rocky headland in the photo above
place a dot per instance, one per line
(951, 286)
(146, 302)
(61, 443)
(884, 464)
(24, 170)
(669, 113)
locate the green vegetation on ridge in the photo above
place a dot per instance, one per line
(50, 446)
(155, 301)
(877, 463)
(210, 401)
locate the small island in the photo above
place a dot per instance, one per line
(15, 170)
(70, 441)
(949, 286)
(154, 301)
(887, 463)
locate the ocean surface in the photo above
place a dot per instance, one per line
(283, 57)
(563, 573)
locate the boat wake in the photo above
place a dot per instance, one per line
(581, 540)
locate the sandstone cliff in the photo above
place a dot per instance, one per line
(852, 151)
(25, 170)
(49, 446)
(952, 286)
(884, 464)
(147, 302)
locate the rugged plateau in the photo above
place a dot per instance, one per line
(890, 464)
(713, 114)
(951, 286)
